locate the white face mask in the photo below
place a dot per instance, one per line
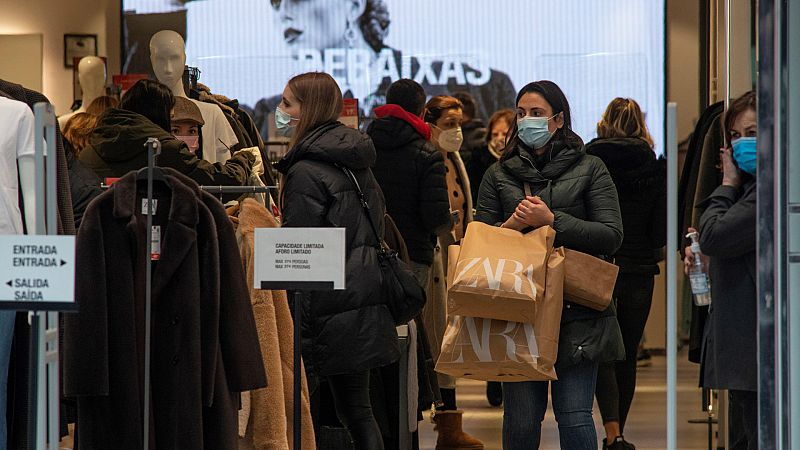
(450, 140)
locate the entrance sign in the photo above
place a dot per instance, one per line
(299, 258)
(37, 272)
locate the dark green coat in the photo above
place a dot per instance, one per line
(578, 189)
(116, 147)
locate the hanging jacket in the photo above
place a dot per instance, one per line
(351, 330)
(410, 172)
(117, 146)
(581, 194)
(265, 421)
(641, 182)
(203, 340)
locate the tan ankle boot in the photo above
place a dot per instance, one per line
(451, 435)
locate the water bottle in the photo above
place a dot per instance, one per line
(701, 287)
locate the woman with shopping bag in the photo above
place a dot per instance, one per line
(546, 179)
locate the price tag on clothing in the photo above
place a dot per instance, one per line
(155, 243)
(299, 258)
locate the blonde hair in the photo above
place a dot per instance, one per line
(624, 118)
(78, 129)
(320, 102)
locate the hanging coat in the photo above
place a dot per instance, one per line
(203, 340)
(269, 424)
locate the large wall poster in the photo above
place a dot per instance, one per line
(247, 49)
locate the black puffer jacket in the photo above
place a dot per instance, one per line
(351, 330)
(641, 182)
(579, 191)
(410, 171)
(116, 147)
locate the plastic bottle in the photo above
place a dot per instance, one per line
(701, 287)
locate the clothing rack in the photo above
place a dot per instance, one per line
(227, 189)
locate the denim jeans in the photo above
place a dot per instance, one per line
(7, 319)
(525, 403)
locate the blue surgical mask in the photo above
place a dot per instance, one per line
(744, 153)
(533, 131)
(283, 122)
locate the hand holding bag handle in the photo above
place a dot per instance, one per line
(404, 295)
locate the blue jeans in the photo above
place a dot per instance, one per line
(525, 404)
(7, 319)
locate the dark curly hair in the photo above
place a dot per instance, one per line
(374, 23)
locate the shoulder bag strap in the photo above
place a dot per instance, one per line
(364, 203)
(527, 188)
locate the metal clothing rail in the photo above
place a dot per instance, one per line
(237, 189)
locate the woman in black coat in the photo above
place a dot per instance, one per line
(625, 146)
(345, 333)
(573, 193)
(728, 237)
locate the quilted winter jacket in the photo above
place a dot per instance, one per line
(351, 330)
(579, 190)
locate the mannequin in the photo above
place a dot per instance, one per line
(17, 174)
(92, 78)
(168, 57)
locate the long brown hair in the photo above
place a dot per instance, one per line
(506, 115)
(78, 129)
(437, 105)
(624, 118)
(320, 102)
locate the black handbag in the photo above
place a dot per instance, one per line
(403, 293)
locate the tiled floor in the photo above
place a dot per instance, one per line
(646, 426)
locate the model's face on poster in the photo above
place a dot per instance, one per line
(317, 24)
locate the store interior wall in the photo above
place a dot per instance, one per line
(53, 19)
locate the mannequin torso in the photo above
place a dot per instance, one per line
(92, 78)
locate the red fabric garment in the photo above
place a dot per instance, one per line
(398, 112)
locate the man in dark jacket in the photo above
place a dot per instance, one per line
(410, 171)
(474, 130)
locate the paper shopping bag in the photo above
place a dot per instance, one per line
(589, 281)
(500, 273)
(497, 350)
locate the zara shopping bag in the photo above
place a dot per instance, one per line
(497, 350)
(500, 273)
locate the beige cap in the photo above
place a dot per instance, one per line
(186, 111)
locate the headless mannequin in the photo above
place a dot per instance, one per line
(92, 78)
(168, 57)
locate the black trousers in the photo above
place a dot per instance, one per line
(353, 406)
(616, 382)
(743, 420)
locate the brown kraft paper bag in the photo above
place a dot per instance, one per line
(500, 273)
(496, 350)
(588, 281)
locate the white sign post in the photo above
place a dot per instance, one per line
(37, 272)
(299, 259)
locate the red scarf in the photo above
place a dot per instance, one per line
(398, 112)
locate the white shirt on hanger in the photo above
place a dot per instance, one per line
(16, 140)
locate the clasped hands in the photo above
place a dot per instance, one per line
(531, 212)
